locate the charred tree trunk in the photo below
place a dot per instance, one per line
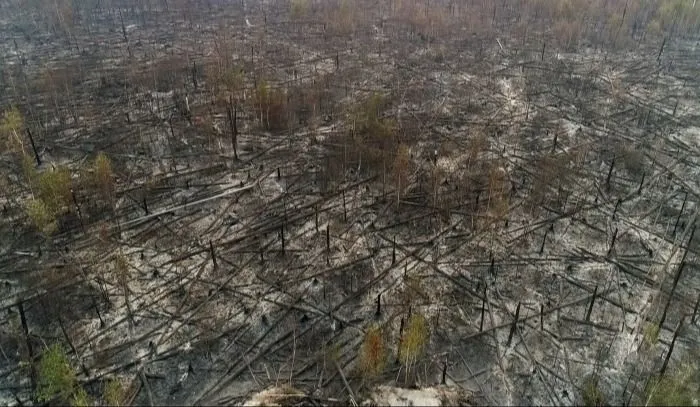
(28, 342)
(232, 112)
(36, 152)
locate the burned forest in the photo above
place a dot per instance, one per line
(349, 202)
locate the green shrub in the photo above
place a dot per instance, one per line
(56, 377)
(651, 334)
(414, 339)
(591, 393)
(54, 188)
(367, 117)
(29, 170)
(81, 399)
(41, 216)
(103, 176)
(51, 195)
(374, 138)
(11, 127)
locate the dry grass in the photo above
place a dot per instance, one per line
(114, 392)
(373, 352)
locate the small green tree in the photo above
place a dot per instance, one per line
(51, 190)
(376, 138)
(40, 216)
(53, 186)
(57, 379)
(29, 171)
(414, 339)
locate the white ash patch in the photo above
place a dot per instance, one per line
(690, 135)
(625, 347)
(428, 396)
(465, 77)
(514, 100)
(275, 396)
(570, 127)
(449, 165)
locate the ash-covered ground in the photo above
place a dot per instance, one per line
(289, 177)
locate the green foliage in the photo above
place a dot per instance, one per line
(11, 127)
(52, 195)
(114, 392)
(414, 339)
(375, 137)
(679, 388)
(373, 352)
(41, 217)
(651, 334)
(367, 115)
(56, 377)
(54, 188)
(678, 14)
(29, 170)
(103, 176)
(298, 8)
(12, 121)
(262, 92)
(371, 123)
(81, 399)
(591, 393)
